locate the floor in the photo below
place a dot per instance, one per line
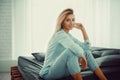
(5, 76)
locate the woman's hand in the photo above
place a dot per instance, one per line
(78, 26)
(81, 27)
(83, 62)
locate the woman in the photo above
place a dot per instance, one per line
(65, 53)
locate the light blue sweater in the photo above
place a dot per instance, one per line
(60, 41)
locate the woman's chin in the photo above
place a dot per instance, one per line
(71, 28)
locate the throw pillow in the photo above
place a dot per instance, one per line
(40, 56)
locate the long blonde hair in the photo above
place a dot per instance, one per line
(60, 19)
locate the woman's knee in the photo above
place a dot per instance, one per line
(68, 52)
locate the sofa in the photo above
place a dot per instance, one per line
(109, 61)
(107, 58)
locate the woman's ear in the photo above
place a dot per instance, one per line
(62, 25)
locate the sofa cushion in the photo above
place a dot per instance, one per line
(111, 52)
(97, 54)
(40, 56)
(110, 60)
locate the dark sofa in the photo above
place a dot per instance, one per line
(107, 58)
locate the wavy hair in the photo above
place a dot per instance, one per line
(61, 18)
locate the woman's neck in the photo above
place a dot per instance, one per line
(66, 30)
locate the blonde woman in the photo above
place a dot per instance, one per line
(65, 53)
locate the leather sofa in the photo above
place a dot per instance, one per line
(108, 60)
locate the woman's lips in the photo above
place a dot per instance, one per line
(70, 26)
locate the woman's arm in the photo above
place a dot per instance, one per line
(81, 27)
(82, 60)
(86, 45)
(76, 49)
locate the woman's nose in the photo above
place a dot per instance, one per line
(71, 22)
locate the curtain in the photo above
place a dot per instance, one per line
(39, 19)
(5, 29)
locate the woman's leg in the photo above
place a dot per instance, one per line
(94, 66)
(66, 64)
(77, 76)
(100, 74)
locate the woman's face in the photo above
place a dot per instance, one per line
(68, 22)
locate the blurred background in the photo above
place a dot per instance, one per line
(26, 26)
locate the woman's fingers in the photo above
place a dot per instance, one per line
(78, 25)
(83, 62)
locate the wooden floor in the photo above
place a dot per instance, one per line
(15, 74)
(5, 76)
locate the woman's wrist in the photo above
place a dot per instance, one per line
(84, 33)
(82, 29)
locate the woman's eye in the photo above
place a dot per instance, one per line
(73, 19)
(70, 20)
(67, 20)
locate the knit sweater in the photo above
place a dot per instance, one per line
(60, 41)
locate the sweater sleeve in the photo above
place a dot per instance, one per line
(86, 45)
(67, 42)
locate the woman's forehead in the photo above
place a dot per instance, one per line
(70, 16)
